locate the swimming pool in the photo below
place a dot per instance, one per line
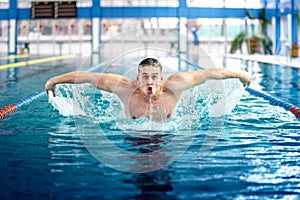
(257, 154)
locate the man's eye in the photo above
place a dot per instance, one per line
(154, 77)
(145, 77)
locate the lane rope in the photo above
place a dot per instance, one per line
(35, 61)
(273, 100)
(11, 108)
(14, 56)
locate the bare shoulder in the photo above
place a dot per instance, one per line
(113, 83)
(177, 82)
(124, 85)
(177, 78)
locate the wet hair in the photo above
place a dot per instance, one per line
(150, 61)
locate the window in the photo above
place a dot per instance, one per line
(157, 3)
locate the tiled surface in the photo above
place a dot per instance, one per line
(272, 59)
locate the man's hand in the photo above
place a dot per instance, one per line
(245, 79)
(50, 86)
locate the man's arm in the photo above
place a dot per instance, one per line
(107, 82)
(184, 80)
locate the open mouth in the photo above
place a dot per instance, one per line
(149, 90)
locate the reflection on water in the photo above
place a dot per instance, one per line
(153, 185)
(98, 115)
(245, 163)
(256, 156)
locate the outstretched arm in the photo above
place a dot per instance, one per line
(185, 80)
(220, 73)
(107, 82)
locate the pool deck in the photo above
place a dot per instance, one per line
(271, 59)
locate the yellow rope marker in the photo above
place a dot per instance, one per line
(36, 61)
(14, 56)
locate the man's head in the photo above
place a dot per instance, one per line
(149, 77)
(150, 61)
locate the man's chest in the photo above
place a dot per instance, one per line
(157, 109)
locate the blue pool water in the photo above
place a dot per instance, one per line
(255, 153)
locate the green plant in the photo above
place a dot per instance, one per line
(238, 42)
(264, 38)
(298, 17)
(267, 42)
(297, 14)
(295, 46)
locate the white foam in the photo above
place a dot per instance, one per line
(66, 106)
(218, 98)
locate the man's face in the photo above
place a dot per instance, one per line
(149, 80)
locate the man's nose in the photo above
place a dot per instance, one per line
(149, 81)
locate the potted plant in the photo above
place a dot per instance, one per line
(295, 46)
(256, 41)
(267, 42)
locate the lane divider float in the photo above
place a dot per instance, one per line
(273, 100)
(14, 56)
(11, 108)
(36, 61)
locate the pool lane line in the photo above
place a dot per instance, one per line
(46, 70)
(11, 108)
(36, 61)
(30, 75)
(272, 100)
(14, 56)
(275, 101)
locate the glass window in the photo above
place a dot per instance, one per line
(27, 3)
(55, 36)
(205, 3)
(215, 27)
(24, 3)
(242, 3)
(253, 4)
(271, 4)
(3, 29)
(285, 5)
(50, 27)
(234, 27)
(4, 4)
(225, 3)
(120, 36)
(112, 27)
(84, 3)
(3, 36)
(157, 3)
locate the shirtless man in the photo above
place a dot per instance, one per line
(149, 95)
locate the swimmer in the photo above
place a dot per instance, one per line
(149, 95)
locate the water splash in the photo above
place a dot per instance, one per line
(214, 98)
